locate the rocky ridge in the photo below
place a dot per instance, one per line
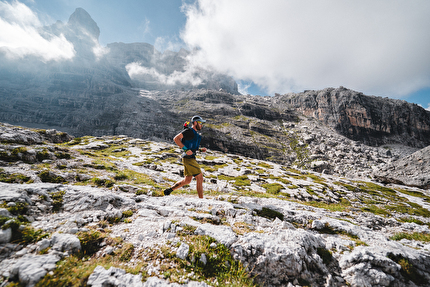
(368, 119)
(94, 200)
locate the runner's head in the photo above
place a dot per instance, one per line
(197, 122)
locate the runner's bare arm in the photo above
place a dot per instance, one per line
(177, 139)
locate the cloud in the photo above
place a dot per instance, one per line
(167, 43)
(139, 72)
(374, 46)
(20, 36)
(428, 107)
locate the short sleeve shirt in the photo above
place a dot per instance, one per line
(188, 134)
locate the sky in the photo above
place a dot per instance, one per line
(378, 47)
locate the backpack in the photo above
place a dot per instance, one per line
(187, 125)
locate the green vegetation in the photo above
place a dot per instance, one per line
(301, 150)
(73, 271)
(411, 236)
(238, 180)
(412, 220)
(127, 213)
(90, 241)
(21, 232)
(325, 255)
(75, 141)
(343, 205)
(49, 176)
(375, 210)
(17, 208)
(57, 200)
(14, 155)
(101, 182)
(265, 165)
(327, 229)
(220, 266)
(42, 155)
(213, 168)
(14, 178)
(272, 188)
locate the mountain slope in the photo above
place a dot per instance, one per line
(95, 201)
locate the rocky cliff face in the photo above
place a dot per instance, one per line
(413, 170)
(372, 120)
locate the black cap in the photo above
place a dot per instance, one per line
(197, 118)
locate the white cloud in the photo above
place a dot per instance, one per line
(165, 43)
(428, 107)
(19, 35)
(138, 72)
(378, 47)
(99, 51)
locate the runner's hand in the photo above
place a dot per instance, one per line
(189, 152)
(203, 149)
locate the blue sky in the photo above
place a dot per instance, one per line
(380, 48)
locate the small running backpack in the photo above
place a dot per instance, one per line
(187, 125)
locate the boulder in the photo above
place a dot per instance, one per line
(65, 242)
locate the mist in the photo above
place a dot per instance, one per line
(21, 36)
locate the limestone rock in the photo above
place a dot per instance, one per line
(5, 235)
(31, 268)
(413, 170)
(65, 242)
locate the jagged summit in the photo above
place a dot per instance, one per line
(82, 19)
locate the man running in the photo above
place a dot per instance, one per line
(189, 141)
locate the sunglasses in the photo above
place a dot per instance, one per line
(199, 122)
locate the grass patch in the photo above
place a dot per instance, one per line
(272, 188)
(101, 182)
(265, 165)
(57, 200)
(238, 180)
(14, 178)
(242, 227)
(414, 193)
(22, 234)
(90, 241)
(376, 210)
(220, 266)
(412, 220)
(343, 205)
(49, 176)
(325, 255)
(411, 236)
(19, 208)
(74, 272)
(409, 208)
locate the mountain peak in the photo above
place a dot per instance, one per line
(82, 19)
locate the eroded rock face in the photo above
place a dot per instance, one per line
(413, 170)
(372, 120)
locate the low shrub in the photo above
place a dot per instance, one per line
(90, 241)
(57, 200)
(49, 176)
